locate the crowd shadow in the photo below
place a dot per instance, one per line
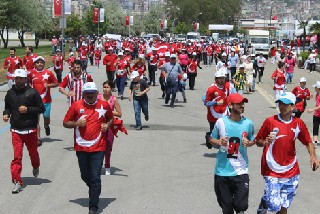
(50, 140)
(103, 202)
(32, 181)
(71, 148)
(168, 127)
(210, 155)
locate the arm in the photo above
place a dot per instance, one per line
(314, 163)
(7, 110)
(38, 107)
(117, 112)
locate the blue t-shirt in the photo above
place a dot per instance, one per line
(233, 160)
(233, 60)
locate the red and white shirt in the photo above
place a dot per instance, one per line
(97, 54)
(279, 158)
(192, 66)
(122, 65)
(57, 62)
(83, 52)
(11, 64)
(75, 84)
(28, 61)
(301, 94)
(37, 80)
(280, 79)
(89, 138)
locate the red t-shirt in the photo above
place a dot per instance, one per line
(301, 94)
(11, 64)
(112, 59)
(28, 61)
(280, 80)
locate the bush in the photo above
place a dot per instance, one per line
(304, 55)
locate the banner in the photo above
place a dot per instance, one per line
(127, 21)
(274, 17)
(131, 20)
(67, 7)
(161, 24)
(165, 25)
(95, 15)
(101, 15)
(57, 8)
(196, 26)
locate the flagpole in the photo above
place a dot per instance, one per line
(62, 29)
(98, 21)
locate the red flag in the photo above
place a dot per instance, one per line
(127, 20)
(57, 7)
(118, 126)
(161, 24)
(195, 26)
(275, 18)
(95, 15)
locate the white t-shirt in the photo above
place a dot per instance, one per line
(312, 58)
(261, 61)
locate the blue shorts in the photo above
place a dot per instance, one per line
(279, 192)
(47, 107)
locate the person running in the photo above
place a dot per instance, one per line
(153, 59)
(28, 59)
(170, 72)
(239, 80)
(83, 53)
(232, 135)
(279, 164)
(116, 110)
(279, 78)
(192, 70)
(161, 68)
(316, 114)
(11, 63)
(233, 59)
(97, 56)
(109, 61)
(90, 118)
(248, 69)
(58, 61)
(23, 105)
(261, 62)
(138, 94)
(74, 81)
(70, 61)
(289, 62)
(302, 94)
(43, 80)
(183, 59)
(121, 73)
(312, 61)
(224, 64)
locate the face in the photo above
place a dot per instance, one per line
(28, 50)
(303, 84)
(90, 97)
(237, 108)
(172, 60)
(59, 53)
(12, 53)
(39, 65)
(317, 90)
(109, 51)
(20, 81)
(136, 79)
(76, 69)
(107, 89)
(220, 81)
(241, 70)
(224, 58)
(285, 109)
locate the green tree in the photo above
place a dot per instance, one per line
(303, 25)
(74, 25)
(315, 28)
(151, 20)
(115, 18)
(182, 28)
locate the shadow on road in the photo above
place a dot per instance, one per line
(103, 202)
(69, 148)
(31, 181)
(50, 140)
(210, 155)
(169, 127)
(114, 171)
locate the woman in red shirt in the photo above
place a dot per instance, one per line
(140, 66)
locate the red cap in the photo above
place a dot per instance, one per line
(236, 98)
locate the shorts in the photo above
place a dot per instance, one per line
(47, 107)
(279, 192)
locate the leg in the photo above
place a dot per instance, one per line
(223, 193)
(144, 107)
(46, 118)
(31, 141)
(83, 161)
(110, 140)
(137, 112)
(16, 163)
(241, 194)
(122, 85)
(316, 123)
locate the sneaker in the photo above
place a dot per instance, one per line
(17, 188)
(163, 95)
(315, 145)
(39, 142)
(185, 100)
(47, 130)
(35, 172)
(262, 209)
(92, 212)
(121, 97)
(138, 128)
(108, 171)
(207, 137)
(146, 117)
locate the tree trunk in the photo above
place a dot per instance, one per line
(304, 39)
(5, 41)
(20, 36)
(318, 41)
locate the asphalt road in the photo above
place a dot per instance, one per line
(163, 169)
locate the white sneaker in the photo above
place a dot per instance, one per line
(108, 171)
(315, 145)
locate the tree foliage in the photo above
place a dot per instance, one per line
(315, 28)
(303, 25)
(74, 26)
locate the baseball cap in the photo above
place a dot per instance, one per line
(120, 54)
(224, 54)
(303, 79)
(253, 55)
(167, 54)
(71, 54)
(58, 50)
(110, 48)
(39, 58)
(20, 73)
(287, 98)
(313, 51)
(194, 54)
(173, 56)
(241, 66)
(236, 98)
(317, 85)
(134, 74)
(89, 87)
(127, 49)
(220, 73)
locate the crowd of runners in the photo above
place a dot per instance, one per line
(143, 65)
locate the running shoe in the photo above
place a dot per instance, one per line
(35, 172)
(47, 130)
(17, 188)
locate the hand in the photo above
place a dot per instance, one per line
(46, 85)
(246, 142)
(23, 109)
(5, 118)
(140, 93)
(109, 63)
(223, 141)
(314, 163)
(71, 93)
(104, 127)
(81, 122)
(220, 102)
(130, 97)
(310, 110)
(268, 140)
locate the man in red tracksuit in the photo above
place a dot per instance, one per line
(23, 105)
(110, 62)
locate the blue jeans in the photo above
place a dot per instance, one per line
(139, 105)
(121, 84)
(90, 164)
(253, 83)
(172, 90)
(289, 77)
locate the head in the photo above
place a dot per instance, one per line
(20, 78)
(29, 49)
(126, 52)
(241, 69)
(286, 103)
(59, 53)
(77, 67)
(90, 92)
(261, 55)
(12, 52)
(39, 63)
(135, 76)
(281, 65)
(303, 82)
(223, 56)
(236, 103)
(317, 87)
(107, 87)
(110, 50)
(173, 58)
(290, 55)
(220, 78)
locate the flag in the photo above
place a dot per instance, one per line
(118, 126)
(195, 26)
(274, 17)
(101, 15)
(127, 21)
(161, 24)
(57, 7)
(67, 7)
(131, 20)
(95, 15)
(165, 25)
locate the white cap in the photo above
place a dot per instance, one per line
(141, 56)
(71, 54)
(241, 66)
(173, 56)
(38, 58)
(317, 85)
(224, 54)
(120, 54)
(194, 54)
(220, 73)
(20, 73)
(233, 50)
(83, 43)
(89, 87)
(303, 79)
(134, 74)
(287, 98)
(110, 48)
(127, 49)
(167, 54)
(313, 51)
